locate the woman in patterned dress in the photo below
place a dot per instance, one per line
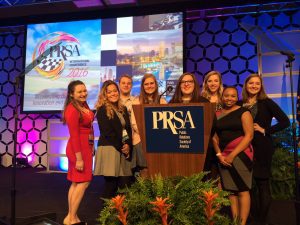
(234, 132)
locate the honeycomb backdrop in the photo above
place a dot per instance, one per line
(214, 43)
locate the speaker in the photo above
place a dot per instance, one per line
(42, 219)
(22, 163)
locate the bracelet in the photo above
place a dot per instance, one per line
(219, 154)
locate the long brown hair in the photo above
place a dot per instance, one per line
(69, 99)
(143, 95)
(177, 97)
(205, 90)
(102, 100)
(261, 94)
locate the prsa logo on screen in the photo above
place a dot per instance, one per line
(172, 120)
(53, 64)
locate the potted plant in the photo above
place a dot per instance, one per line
(186, 200)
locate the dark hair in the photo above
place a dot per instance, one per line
(143, 95)
(177, 97)
(230, 87)
(261, 94)
(69, 99)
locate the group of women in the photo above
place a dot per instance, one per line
(240, 146)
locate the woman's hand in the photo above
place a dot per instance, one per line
(223, 161)
(79, 165)
(258, 128)
(229, 159)
(125, 150)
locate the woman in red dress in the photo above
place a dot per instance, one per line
(78, 117)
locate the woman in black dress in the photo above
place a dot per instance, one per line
(234, 132)
(263, 109)
(212, 90)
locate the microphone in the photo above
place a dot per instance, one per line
(168, 90)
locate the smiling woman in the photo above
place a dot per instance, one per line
(149, 91)
(263, 110)
(187, 90)
(78, 117)
(234, 132)
(114, 153)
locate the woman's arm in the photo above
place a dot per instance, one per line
(275, 111)
(73, 120)
(282, 119)
(163, 101)
(247, 123)
(215, 141)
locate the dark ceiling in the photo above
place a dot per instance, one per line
(15, 12)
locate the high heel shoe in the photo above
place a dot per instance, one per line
(80, 223)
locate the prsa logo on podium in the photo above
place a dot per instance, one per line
(177, 129)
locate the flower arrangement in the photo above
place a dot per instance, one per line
(176, 200)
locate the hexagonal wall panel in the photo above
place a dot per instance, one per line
(216, 43)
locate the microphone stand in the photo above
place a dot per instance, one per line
(290, 59)
(168, 90)
(32, 65)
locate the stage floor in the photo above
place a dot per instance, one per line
(39, 192)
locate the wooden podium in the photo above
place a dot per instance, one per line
(178, 163)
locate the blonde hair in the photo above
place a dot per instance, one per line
(261, 94)
(102, 100)
(205, 90)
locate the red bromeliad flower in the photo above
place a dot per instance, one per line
(118, 205)
(162, 208)
(211, 206)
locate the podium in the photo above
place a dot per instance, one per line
(175, 136)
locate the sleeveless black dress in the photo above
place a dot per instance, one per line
(230, 131)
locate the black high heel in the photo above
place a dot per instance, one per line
(80, 223)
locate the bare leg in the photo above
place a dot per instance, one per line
(75, 200)
(234, 204)
(71, 189)
(244, 206)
